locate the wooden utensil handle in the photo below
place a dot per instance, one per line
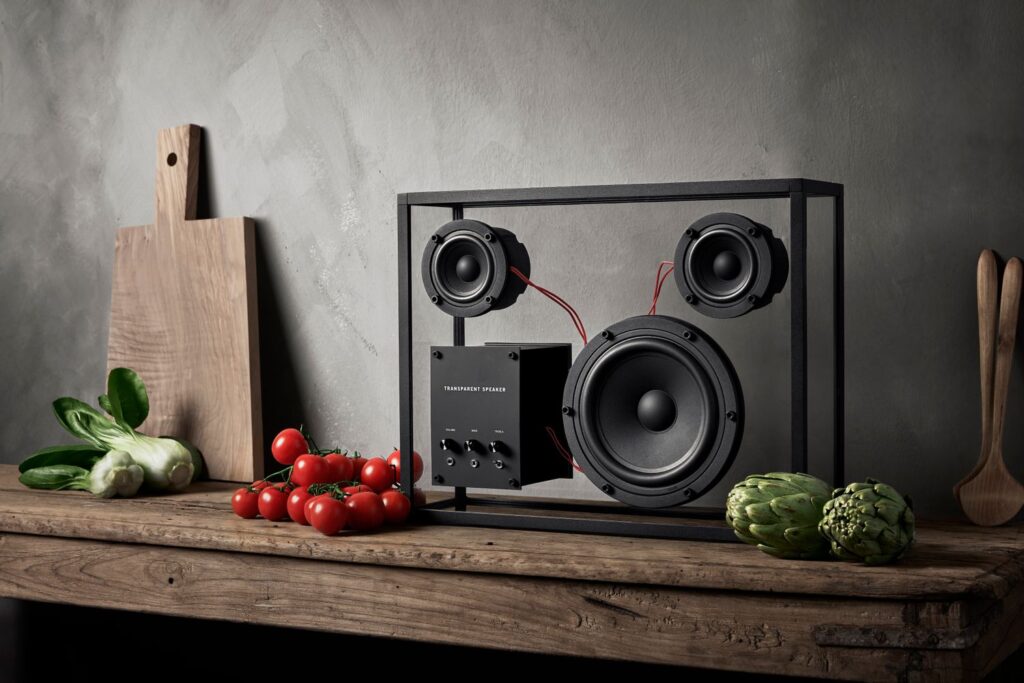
(1009, 306)
(177, 174)
(988, 318)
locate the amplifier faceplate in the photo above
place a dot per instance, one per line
(489, 409)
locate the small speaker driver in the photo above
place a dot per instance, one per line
(653, 411)
(466, 268)
(727, 265)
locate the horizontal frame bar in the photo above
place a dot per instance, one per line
(569, 505)
(610, 194)
(579, 525)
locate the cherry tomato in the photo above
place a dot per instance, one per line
(359, 488)
(365, 511)
(297, 504)
(357, 465)
(311, 469)
(273, 503)
(378, 474)
(260, 484)
(395, 459)
(307, 508)
(288, 445)
(245, 503)
(396, 506)
(341, 467)
(328, 515)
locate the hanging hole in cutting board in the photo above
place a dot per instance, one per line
(172, 159)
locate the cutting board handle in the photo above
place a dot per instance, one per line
(177, 174)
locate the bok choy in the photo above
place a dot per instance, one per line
(116, 459)
(113, 474)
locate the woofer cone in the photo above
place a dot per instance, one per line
(727, 265)
(654, 411)
(466, 268)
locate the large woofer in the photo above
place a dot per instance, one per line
(466, 268)
(727, 265)
(653, 411)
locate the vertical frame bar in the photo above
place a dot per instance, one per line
(459, 339)
(458, 324)
(838, 345)
(405, 393)
(798, 327)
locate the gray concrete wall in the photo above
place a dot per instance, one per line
(317, 114)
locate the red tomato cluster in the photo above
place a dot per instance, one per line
(328, 490)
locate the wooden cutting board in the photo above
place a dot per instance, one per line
(183, 315)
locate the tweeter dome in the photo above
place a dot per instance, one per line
(466, 268)
(727, 265)
(653, 411)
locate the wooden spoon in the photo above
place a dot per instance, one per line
(993, 496)
(988, 317)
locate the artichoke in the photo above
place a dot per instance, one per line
(868, 521)
(779, 513)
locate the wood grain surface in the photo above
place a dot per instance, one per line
(759, 633)
(950, 611)
(183, 315)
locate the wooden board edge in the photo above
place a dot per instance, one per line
(252, 318)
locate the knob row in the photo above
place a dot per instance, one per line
(472, 446)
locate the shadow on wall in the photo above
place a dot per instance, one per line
(282, 399)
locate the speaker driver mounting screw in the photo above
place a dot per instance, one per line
(752, 298)
(489, 236)
(489, 299)
(688, 336)
(690, 232)
(607, 488)
(752, 232)
(731, 415)
(435, 238)
(688, 493)
(690, 299)
(607, 335)
(567, 410)
(435, 299)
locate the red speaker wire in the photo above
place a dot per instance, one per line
(562, 449)
(659, 280)
(576, 320)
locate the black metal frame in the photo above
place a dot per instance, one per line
(608, 518)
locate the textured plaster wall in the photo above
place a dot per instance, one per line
(317, 114)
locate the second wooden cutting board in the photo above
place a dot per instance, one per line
(183, 315)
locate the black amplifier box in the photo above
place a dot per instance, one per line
(490, 410)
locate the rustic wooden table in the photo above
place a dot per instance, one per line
(951, 610)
